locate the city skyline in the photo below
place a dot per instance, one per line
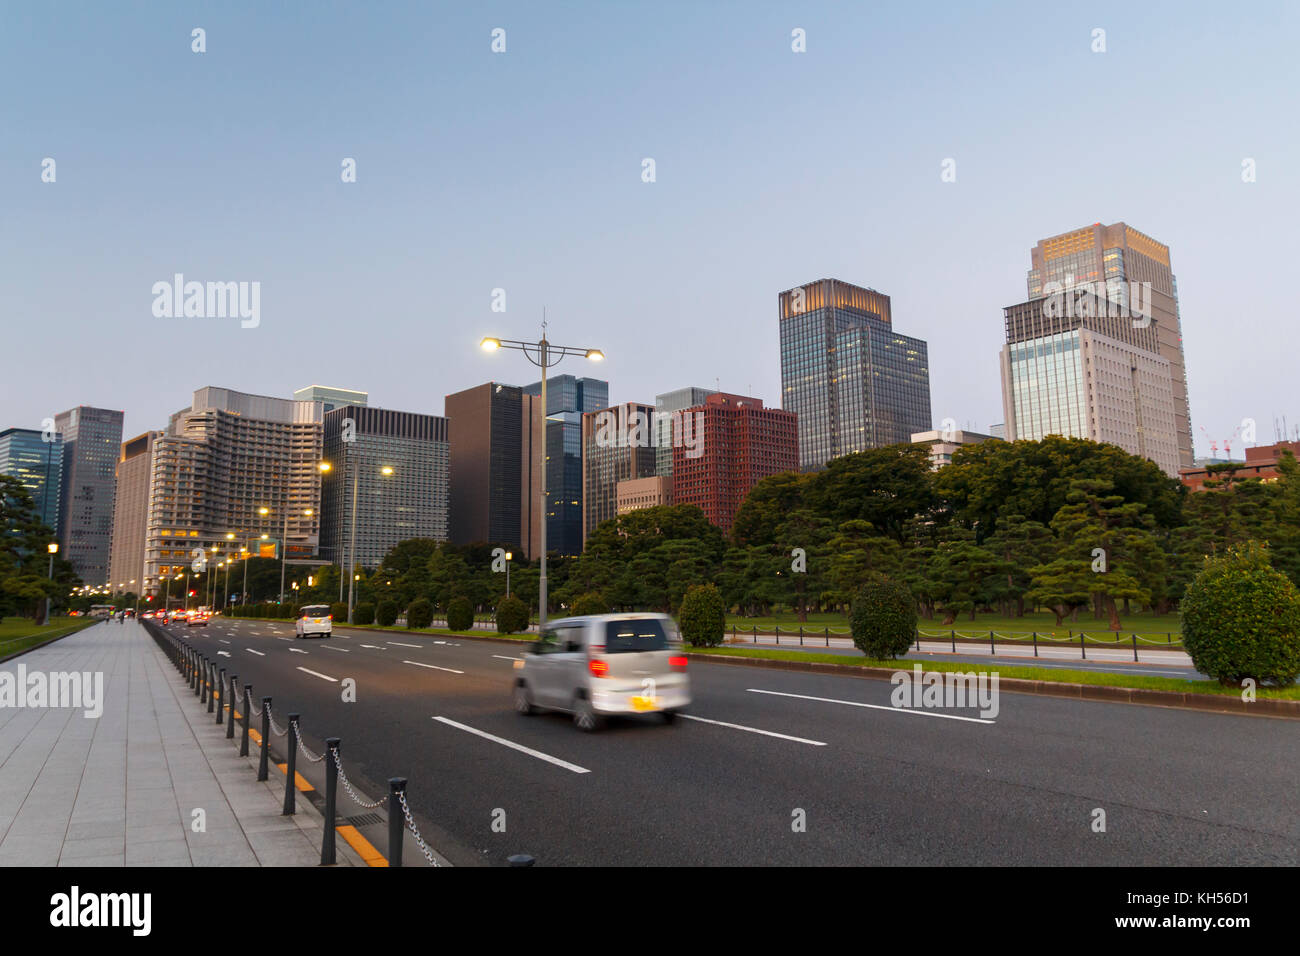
(527, 174)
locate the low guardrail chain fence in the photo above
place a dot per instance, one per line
(211, 686)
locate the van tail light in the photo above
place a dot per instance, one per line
(329, 617)
(598, 668)
(677, 662)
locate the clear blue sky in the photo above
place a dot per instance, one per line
(522, 170)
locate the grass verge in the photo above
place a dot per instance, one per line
(1139, 681)
(19, 635)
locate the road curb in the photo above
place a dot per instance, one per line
(1213, 703)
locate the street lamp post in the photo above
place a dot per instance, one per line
(385, 470)
(544, 355)
(509, 555)
(53, 548)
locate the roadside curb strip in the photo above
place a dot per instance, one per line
(1214, 703)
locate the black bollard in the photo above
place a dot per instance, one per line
(331, 794)
(291, 769)
(262, 767)
(221, 683)
(396, 819)
(248, 700)
(230, 710)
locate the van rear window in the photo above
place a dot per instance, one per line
(623, 637)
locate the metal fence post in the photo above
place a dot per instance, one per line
(1135, 649)
(801, 635)
(221, 683)
(954, 642)
(199, 659)
(331, 794)
(778, 635)
(396, 819)
(1082, 650)
(248, 701)
(992, 647)
(828, 635)
(212, 686)
(1035, 643)
(230, 710)
(755, 633)
(291, 769)
(264, 759)
(203, 682)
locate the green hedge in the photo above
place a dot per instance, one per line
(703, 617)
(419, 614)
(512, 615)
(883, 619)
(460, 614)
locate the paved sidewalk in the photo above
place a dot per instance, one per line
(121, 789)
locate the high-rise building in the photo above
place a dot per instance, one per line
(92, 438)
(1131, 273)
(131, 513)
(1096, 351)
(229, 469)
(852, 380)
(36, 459)
(398, 463)
(666, 404)
(743, 443)
(495, 445)
(331, 398)
(617, 445)
(567, 398)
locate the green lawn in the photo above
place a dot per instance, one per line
(1027, 673)
(20, 634)
(1151, 626)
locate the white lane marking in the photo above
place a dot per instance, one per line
(755, 730)
(223, 642)
(373, 647)
(433, 667)
(332, 680)
(251, 651)
(399, 644)
(284, 638)
(341, 650)
(296, 650)
(223, 653)
(514, 746)
(440, 642)
(855, 703)
(502, 657)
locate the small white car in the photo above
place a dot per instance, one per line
(314, 620)
(603, 665)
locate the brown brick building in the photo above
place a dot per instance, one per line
(1261, 462)
(743, 443)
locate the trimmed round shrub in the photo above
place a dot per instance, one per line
(883, 619)
(419, 614)
(1241, 618)
(386, 613)
(703, 617)
(361, 613)
(339, 611)
(512, 615)
(460, 614)
(589, 603)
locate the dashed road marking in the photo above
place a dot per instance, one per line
(755, 730)
(855, 703)
(513, 746)
(434, 667)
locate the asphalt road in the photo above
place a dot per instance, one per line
(875, 785)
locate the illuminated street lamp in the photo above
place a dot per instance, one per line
(53, 548)
(544, 355)
(353, 577)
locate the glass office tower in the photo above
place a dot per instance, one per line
(567, 398)
(853, 381)
(38, 464)
(92, 439)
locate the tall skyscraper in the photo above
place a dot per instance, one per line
(567, 398)
(1109, 261)
(743, 443)
(411, 502)
(617, 446)
(131, 513)
(27, 455)
(495, 440)
(853, 381)
(665, 405)
(331, 398)
(231, 468)
(92, 438)
(1096, 351)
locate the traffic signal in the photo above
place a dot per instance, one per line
(192, 593)
(149, 598)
